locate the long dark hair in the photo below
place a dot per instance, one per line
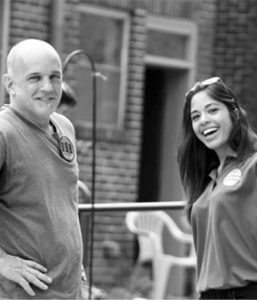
(195, 160)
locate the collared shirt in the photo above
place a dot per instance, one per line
(224, 225)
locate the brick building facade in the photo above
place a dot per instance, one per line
(209, 37)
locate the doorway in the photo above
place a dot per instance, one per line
(164, 98)
(163, 104)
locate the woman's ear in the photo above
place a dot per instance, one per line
(8, 84)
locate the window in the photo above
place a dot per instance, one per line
(4, 34)
(171, 43)
(166, 44)
(104, 37)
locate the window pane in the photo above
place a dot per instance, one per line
(101, 38)
(167, 44)
(107, 96)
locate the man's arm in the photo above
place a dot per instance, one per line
(23, 272)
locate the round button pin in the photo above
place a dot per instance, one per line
(232, 177)
(66, 148)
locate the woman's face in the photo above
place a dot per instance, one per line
(211, 122)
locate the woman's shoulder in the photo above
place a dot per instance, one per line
(252, 157)
(250, 162)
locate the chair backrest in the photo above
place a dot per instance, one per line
(151, 224)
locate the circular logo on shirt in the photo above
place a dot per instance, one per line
(232, 177)
(66, 148)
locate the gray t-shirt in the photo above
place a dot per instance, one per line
(38, 204)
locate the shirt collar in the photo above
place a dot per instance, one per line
(228, 160)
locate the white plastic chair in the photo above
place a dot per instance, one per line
(149, 226)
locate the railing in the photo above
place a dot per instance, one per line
(123, 206)
(128, 206)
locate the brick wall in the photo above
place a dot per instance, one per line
(205, 17)
(30, 19)
(236, 50)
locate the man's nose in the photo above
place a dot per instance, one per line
(47, 84)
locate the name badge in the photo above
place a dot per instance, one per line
(232, 178)
(66, 148)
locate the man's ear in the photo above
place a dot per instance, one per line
(8, 84)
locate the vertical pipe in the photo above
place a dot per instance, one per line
(94, 106)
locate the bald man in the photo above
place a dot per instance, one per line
(40, 238)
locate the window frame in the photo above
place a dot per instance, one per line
(124, 17)
(181, 28)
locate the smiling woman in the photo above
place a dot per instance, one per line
(212, 124)
(218, 161)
